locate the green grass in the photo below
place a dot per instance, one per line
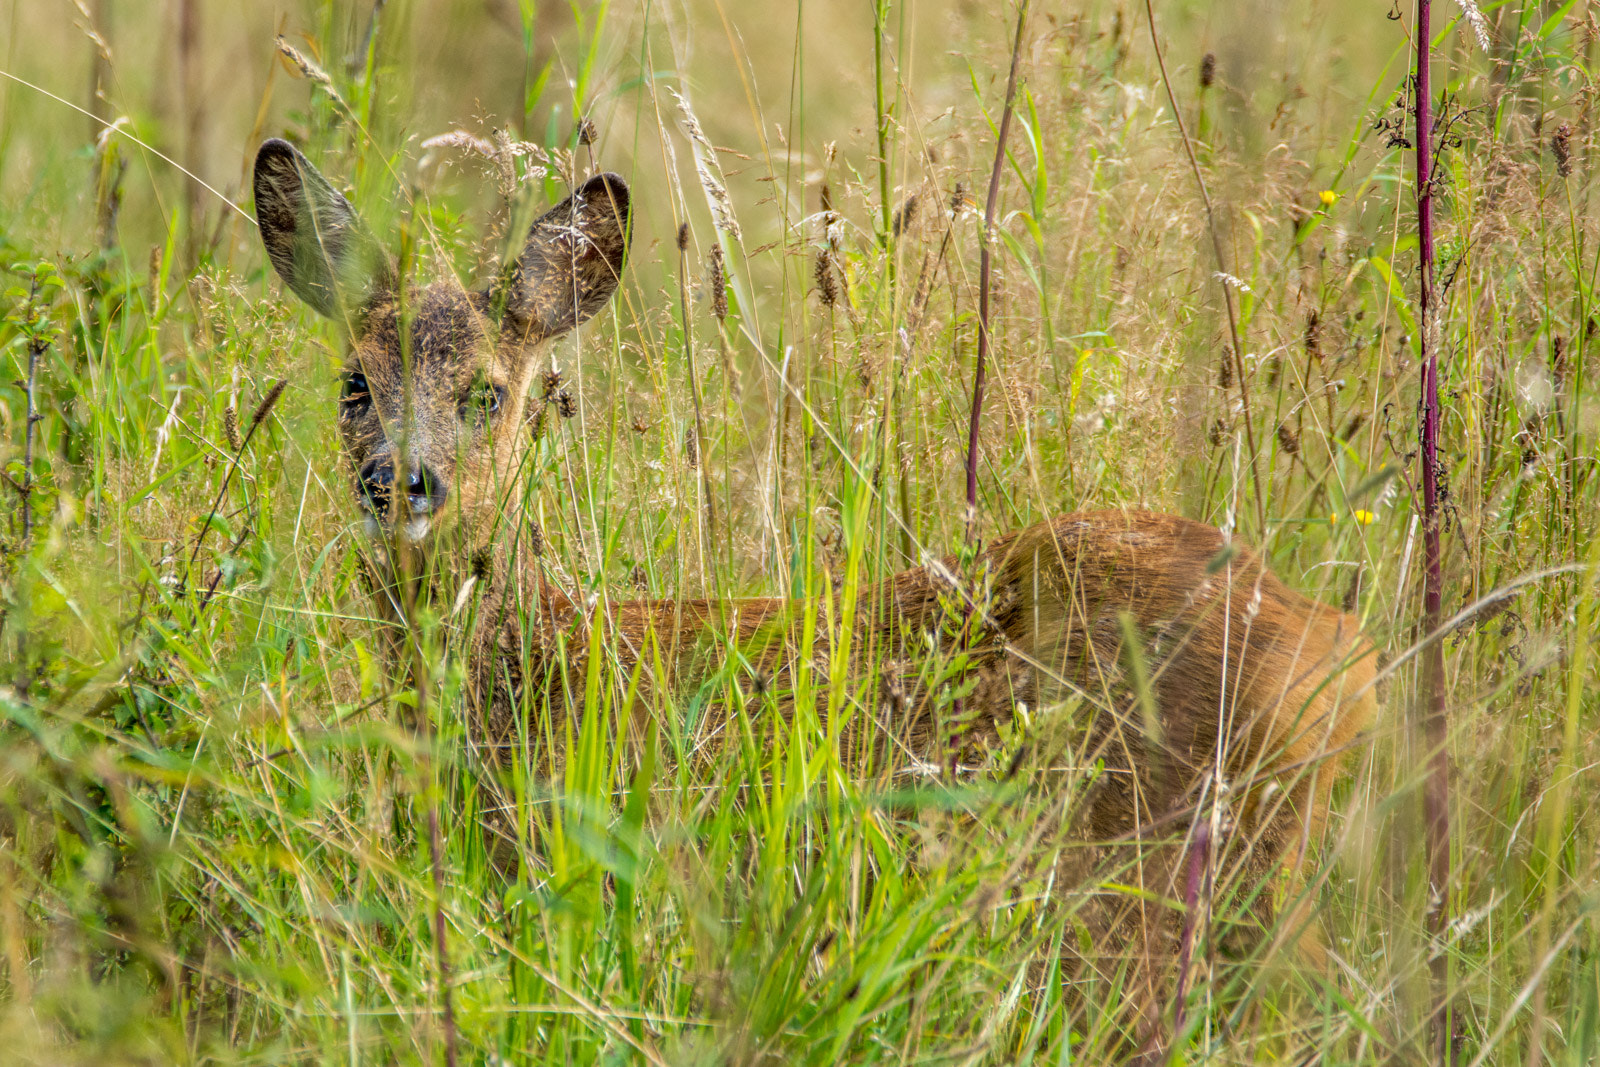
(213, 815)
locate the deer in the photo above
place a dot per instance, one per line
(1194, 669)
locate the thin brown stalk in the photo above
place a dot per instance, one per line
(1431, 715)
(1222, 272)
(984, 267)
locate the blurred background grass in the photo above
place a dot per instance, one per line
(211, 846)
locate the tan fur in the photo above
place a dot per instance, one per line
(1257, 691)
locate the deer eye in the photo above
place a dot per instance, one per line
(483, 400)
(353, 395)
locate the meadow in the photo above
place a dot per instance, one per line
(226, 838)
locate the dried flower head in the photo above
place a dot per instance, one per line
(1208, 70)
(827, 284)
(1225, 371)
(566, 404)
(535, 537)
(230, 427)
(551, 382)
(683, 237)
(587, 133)
(1561, 148)
(717, 279)
(482, 563)
(691, 448)
(1218, 433)
(905, 215)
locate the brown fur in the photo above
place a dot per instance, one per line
(1256, 690)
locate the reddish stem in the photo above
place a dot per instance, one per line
(1431, 707)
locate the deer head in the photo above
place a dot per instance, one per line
(436, 380)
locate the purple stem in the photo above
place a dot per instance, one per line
(1431, 709)
(1198, 853)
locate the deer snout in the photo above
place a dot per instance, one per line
(425, 491)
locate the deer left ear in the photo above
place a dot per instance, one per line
(316, 241)
(571, 263)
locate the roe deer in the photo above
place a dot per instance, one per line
(1240, 679)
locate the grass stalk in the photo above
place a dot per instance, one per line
(1431, 712)
(984, 268)
(1223, 275)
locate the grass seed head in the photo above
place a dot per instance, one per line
(1288, 439)
(1208, 70)
(1561, 148)
(551, 382)
(264, 408)
(683, 237)
(230, 427)
(587, 133)
(827, 285)
(566, 404)
(717, 278)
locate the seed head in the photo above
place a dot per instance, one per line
(1288, 439)
(827, 285)
(535, 537)
(1225, 372)
(683, 237)
(482, 563)
(230, 426)
(640, 579)
(536, 423)
(1219, 432)
(827, 198)
(907, 214)
(552, 382)
(566, 404)
(958, 199)
(587, 134)
(717, 276)
(1208, 69)
(1561, 148)
(691, 448)
(264, 408)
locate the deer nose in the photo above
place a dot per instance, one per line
(425, 492)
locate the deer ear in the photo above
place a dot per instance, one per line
(316, 241)
(571, 263)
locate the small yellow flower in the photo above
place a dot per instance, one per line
(1364, 517)
(1333, 518)
(1328, 197)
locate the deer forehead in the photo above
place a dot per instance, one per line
(442, 333)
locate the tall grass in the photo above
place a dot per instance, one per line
(218, 806)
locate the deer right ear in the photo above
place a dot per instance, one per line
(317, 243)
(571, 262)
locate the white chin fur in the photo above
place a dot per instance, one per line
(371, 526)
(417, 528)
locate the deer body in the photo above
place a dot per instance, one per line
(1229, 676)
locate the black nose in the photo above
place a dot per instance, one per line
(425, 492)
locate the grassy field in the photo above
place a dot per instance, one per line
(213, 822)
